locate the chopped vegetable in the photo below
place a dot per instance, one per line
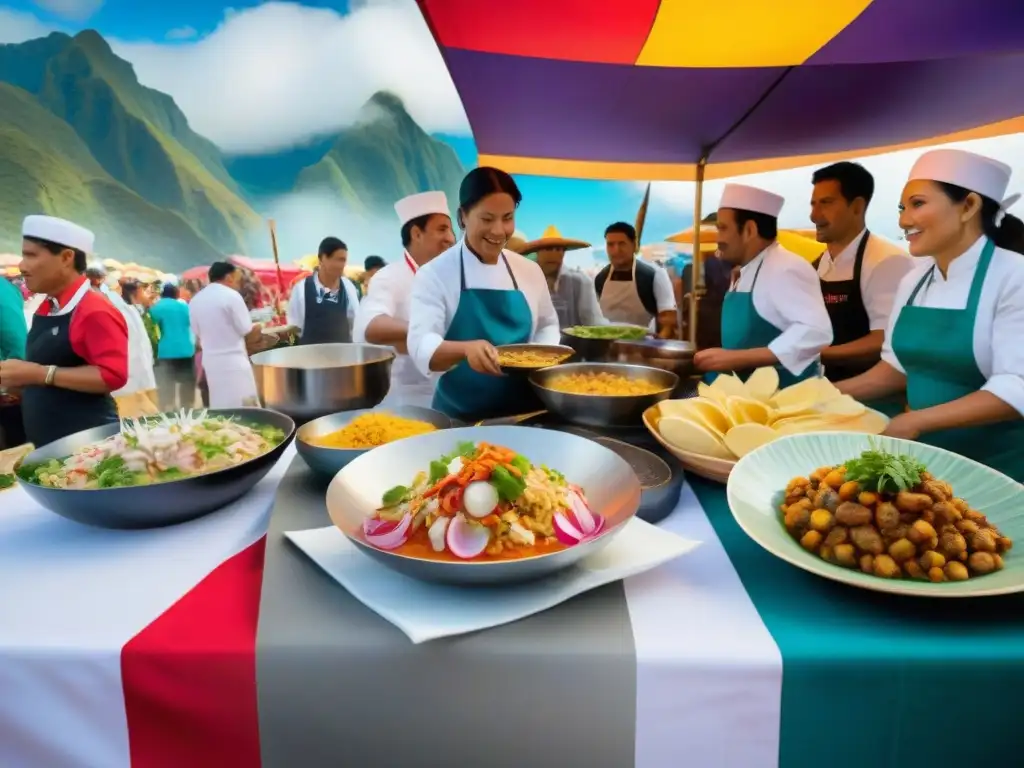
(883, 472)
(6, 481)
(395, 496)
(624, 332)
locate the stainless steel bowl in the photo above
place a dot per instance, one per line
(312, 380)
(667, 354)
(603, 410)
(160, 504)
(564, 352)
(329, 461)
(589, 349)
(610, 484)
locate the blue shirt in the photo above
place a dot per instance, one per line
(171, 317)
(13, 326)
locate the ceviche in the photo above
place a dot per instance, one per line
(482, 501)
(157, 450)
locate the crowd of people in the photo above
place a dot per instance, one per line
(927, 336)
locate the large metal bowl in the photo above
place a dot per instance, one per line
(603, 410)
(329, 461)
(160, 504)
(312, 380)
(610, 484)
(593, 350)
(668, 354)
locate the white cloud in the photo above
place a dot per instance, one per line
(890, 172)
(76, 10)
(271, 76)
(181, 33)
(17, 27)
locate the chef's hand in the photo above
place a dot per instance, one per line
(483, 357)
(904, 426)
(716, 359)
(18, 373)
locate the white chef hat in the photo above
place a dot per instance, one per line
(977, 173)
(421, 204)
(743, 198)
(59, 231)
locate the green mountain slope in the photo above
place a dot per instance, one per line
(46, 167)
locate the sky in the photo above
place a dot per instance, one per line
(255, 77)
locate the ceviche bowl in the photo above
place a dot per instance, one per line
(578, 491)
(171, 499)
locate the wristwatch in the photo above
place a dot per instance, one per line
(51, 371)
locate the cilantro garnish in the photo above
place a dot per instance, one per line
(6, 481)
(508, 486)
(395, 496)
(439, 467)
(883, 472)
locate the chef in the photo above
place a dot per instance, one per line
(954, 339)
(383, 315)
(77, 348)
(774, 313)
(631, 291)
(476, 296)
(572, 293)
(13, 333)
(859, 272)
(319, 307)
(224, 329)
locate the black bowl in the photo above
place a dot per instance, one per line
(593, 350)
(160, 504)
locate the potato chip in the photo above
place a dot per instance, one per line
(745, 438)
(825, 422)
(703, 411)
(843, 405)
(692, 437)
(745, 410)
(869, 422)
(707, 393)
(806, 393)
(763, 383)
(778, 414)
(730, 385)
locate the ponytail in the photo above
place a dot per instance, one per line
(1008, 234)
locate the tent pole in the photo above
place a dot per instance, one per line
(697, 289)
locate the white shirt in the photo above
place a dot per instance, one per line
(219, 320)
(999, 325)
(588, 308)
(297, 302)
(141, 377)
(435, 298)
(664, 294)
(881, 271)
(788, 295)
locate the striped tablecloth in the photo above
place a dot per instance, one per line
(144, 649)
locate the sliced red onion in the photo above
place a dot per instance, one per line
(566, 530)
(384, 534)
(585, 519)
(466, 540)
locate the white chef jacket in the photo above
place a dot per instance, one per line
(141, 377)
(881, 271)
(788, 295)
(999, 325)
(388, 295)
(297, 302)
(435, 298)
(220, 321)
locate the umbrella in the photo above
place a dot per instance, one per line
(690, 106)
(795, 240)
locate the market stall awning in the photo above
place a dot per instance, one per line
(642, 89)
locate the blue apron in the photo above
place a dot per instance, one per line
(936, 349)
(500, 317)
(743, 328)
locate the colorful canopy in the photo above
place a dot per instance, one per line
(642, 89)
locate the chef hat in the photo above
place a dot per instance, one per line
(743, 198)
(976, 173)
(421, 204)
(59, 231)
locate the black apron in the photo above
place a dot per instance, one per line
(326, 315)
(51, 413)
(850, 321)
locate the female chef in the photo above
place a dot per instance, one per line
(953, 341)
(476, 296)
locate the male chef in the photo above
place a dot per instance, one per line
(323, 306)
(774, 314)
(859, 271)
(572, 292)
(383, 315)
(631, 291)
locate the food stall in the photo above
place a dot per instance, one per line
(244, 637)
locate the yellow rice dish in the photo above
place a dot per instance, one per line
(371, 430)
(529, 359)
(606, 384)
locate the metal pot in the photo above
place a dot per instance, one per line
(666, 354)
(312, 380)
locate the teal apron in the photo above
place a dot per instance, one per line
(936, 349)
(500, 317)
(743, 328)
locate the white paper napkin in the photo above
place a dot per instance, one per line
(426, 611)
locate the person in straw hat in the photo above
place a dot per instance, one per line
(774, 314)
(572, 293)
(383, 315)
(954, 340)
(77, 349)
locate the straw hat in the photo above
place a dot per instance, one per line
(552, 238)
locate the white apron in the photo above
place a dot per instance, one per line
(230, 379)
(620, 302)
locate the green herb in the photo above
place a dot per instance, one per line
(883, 472)
(623, 332)
(395, 496)
(112, 473)
(208, 449)
(508, 486)
(554, 475)
(171, 473)
(272, 435)
(31, 473)
(522, 464)
(439, 467)
(7, 481)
